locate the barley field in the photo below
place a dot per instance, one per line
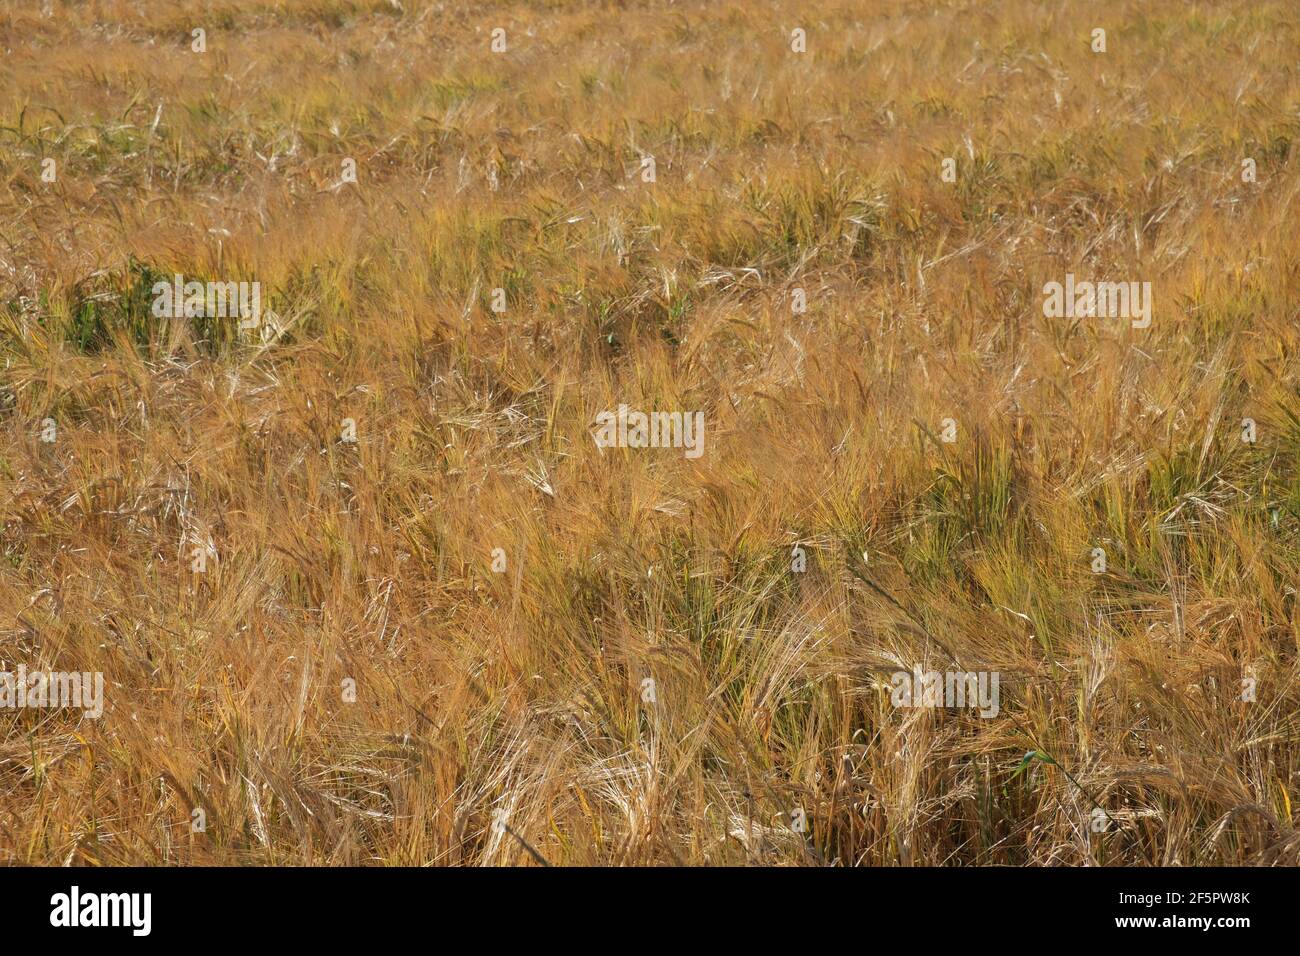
(386, 571)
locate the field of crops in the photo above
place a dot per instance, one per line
(612, 433)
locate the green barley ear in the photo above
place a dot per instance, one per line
(1030, 757)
